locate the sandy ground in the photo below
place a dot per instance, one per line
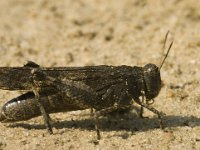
(93, 32)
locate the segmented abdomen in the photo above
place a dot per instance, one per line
(25, 107)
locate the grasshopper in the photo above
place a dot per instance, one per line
(60, 89)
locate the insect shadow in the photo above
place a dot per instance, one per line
(124, 122)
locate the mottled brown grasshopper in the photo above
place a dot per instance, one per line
(59, 89)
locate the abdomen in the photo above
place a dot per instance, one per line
(25, 107)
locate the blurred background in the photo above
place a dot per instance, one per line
(95, 32)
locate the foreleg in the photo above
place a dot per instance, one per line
(159, 114)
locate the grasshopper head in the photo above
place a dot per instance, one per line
(152, 81)
(151, 74)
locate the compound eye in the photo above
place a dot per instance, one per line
(151, 69)
(152, 81)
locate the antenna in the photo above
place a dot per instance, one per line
(165, 56)
(165, 40)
